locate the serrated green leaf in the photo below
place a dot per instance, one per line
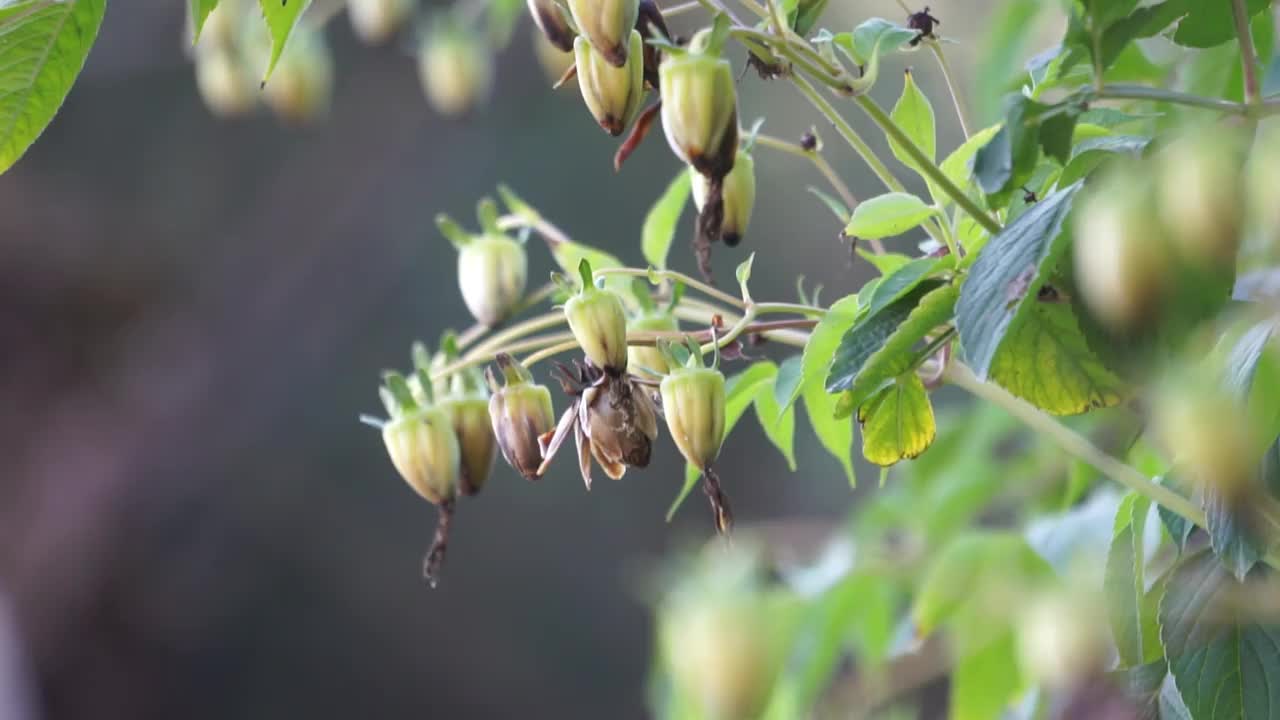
(878, 36)
(881, 347)
(1129, 606)
(888, 215)
(777, 421)
(1088, 154)
(281, 17)
(897, 422)
(1046, 361)
(914, 115)
(900, 282)
(1223, 661)
(1007, 275)
(740, 392)
(43, 46)
(200, 10)
(1211, 23)
(660, 223)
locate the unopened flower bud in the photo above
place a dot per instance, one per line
(549, 16)
(225, 85)
(642, 358)
(693, 402)
(739, 197)
(422, 445)
(375, 21)
(599, 324)
(612, 94)
(455, 69)
(1121, 264)
(700, 107)
(1201, 193)
(467, 406)
(608, 25)
(301, 85)
(492, 271)
(520, 413)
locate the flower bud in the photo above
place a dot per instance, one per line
(641, 358)
(739, 197)
(608, 25)
(1210, 433)
(612, 94)
(548, 15)
(599, 324)
(375, 21)
(468, 409)
(520, 413)
(492, 271)
(421, 443)
(301, 85)
(693, 402)
(224, 82)
(1121, 264)
(455, 69)
(1201, 193)
(700, 107)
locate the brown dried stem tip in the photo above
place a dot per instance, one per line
(720, 510)
(922, 22)
(439, 545)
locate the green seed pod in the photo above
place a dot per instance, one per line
(421, 443)
(599, 324)
(467, 406)
(375, 21)
(693, 402)
(225, 85)
(520, 413)
(641, 358)
(455, 69)
(492, 271)
(700, 107)
(612, 94)
(739, 193)
(1201, 189)
(1121, 265)
(301, 86)
(549, 16)
(608, 24)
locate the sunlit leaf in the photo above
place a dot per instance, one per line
(281, 17)
(664, 217)
(914, 115)
(897, 422)
(200, 10)
(888, 215)
(1131, 609)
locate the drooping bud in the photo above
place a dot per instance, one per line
(700, 106)
(421, 444)
(738, 193)
(612, 94)
(1201, 194)
(549, 16)
(375, 21)
(608, 25)
(226, 85)
(520, 413)
(599, 324)
(693, 401)
(301, 85)
(467, 405)
(1121, 262)
(455, 69)
(649, 359)
(492, 271)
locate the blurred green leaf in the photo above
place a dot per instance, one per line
(1224, 661)
(834, 435)
(986, 680)
(835, 206)
(888, 215)
(1000, 56)
(1007, 276)
(897, 422)
(200, 10)
(503, 16)
(660, 223)
(1211, 23)
(1129, 606)
(778, 422)
(914, 115)
(281, 17)
(43, 46)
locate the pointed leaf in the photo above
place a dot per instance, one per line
(660, 224)
(1132, 615)
(897, 424)
(281, 17)
(778, 423)
(876, 36)
(888, 215)
(914, 115)
(200, 10)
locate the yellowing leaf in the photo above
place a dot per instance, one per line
(897, 424)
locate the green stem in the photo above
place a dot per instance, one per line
(1143, 92)
(766, 308)
(1072, 442)
(1248, 59)
(706, 289)
(936, 47)
(926, 164)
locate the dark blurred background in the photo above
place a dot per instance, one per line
(194, 311)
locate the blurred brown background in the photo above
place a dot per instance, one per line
(192, 314)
